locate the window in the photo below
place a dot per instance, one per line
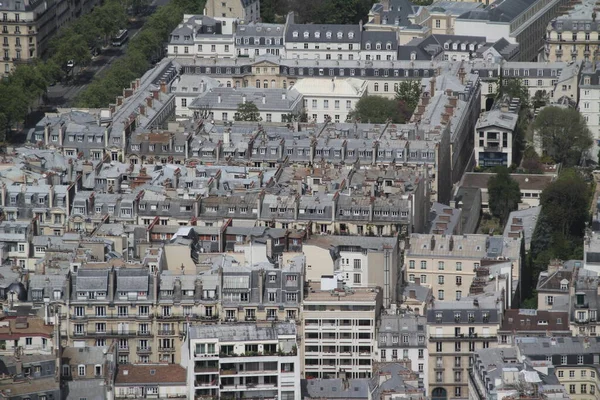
(357, 279)
(81, 370)
(563, 360)
(423, 264)
(411, 264)
(440, 295)
(440, 265)
(459, 266)
(458, 280)
(440, 279)
(549, 300)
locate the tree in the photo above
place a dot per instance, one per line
(377, 110)
(247, 112)
(566, 203)
(531, 162)
(504, 194)
(331, 11)
(512, 88)
(409, 93)
(540, 99)
(564, 134)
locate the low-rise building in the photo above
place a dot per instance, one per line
(87, 372)
(150, 381)
(29, 377)
(494, 134)
(230, 360)
(531, 323)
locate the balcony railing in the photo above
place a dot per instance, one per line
(166, 332)
(144, 349)
(166, 349)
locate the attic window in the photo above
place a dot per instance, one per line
(317, 34)
(340, 35)
(350, 35)
(295, 34)
(306, 34)
(328, 35)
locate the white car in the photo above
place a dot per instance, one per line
(70, 64)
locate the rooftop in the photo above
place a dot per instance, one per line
(242, 333)
(163, 375)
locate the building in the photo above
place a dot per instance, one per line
(494, 134)
(531, 186)
(457, 329)
(503, 376)
(403, 338)
(522, 223)
(29, 377)
(244, 10)
(553, 287)
(230, 360)
(339, 325)
(88, 372)
(532, 323)
(589, 104)
(573, 34)
(332, 101)
(150, 381)
(522, 22)
(358, 261)
(445, 220)
(449, 264)
(274, 105)
(257, 39)
(203, 36)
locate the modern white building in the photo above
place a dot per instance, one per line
(229, 361)
(334, 99)
(339, 326)
(494, 134)
(274, 105)
(202, 36)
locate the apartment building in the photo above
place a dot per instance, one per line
(203, 36)
(230, 361)
(87, 372)
(450, 264)
(573, 359)
(403, 338)
(456, 329)
(573, 35)
(30, 377)
(339, 329)
(553, 286)
(257, 39)
(519, 22)
(244, 10)
(589, 104)
(532, 323)
(26, 335)
(494, 134)
(357, 260)
(150, 381)
(503, 375)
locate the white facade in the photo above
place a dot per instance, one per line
(589, 107)
(494, 137)
(334, 100)
(228, 361)
(339, 330)
(492, 31)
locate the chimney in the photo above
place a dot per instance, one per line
(461, 75)
(138, 82)
(453, 101)
(111, 285)
(127, 93)
(425, 100)
(243, 99)
(412, 294)
(421, 109)
(226, 137)
(198, 290)
(449, 109)
(155, 94)
(149, 101)
(261, 276)
(445, 118)
(119, 100)
(51, 197)
(264, 99)
(142, 109)
(432, 247)
(432, 87)
(163, 86)
(219, 98)
(451, 243)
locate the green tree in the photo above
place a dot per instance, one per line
(377, 110)
(512, 88)
(109, 18)
(247, 112)
(409, 93)
(564, 134)
(566, 203)
(14, 104)
(70, 46)
(504, 194)
(531, 163)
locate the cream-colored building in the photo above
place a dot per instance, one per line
(338, 328)
(456, 329)
(449, 264)
(574, 35)
(245, 10)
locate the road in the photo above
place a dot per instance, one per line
(63, 94)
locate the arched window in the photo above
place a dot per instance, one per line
(306, 34)
(273, 84)
(368, 46)
(376, 87)
(385, 87)
(266, 84)
(378, 46)
(258, 83)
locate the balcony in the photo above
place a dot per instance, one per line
(123, 349)
(207, 370)
(212, 383)
(166, 349)
(559, 52)
(144, 333)
(166, 332)
(464, 336)
(582, 305)
(492, 148)
(250, 318)
(144, 350)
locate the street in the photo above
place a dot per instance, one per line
(63, 94)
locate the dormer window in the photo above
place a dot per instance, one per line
(350, 35)
(388, 46)
(317, 34)
(328, 35)
(295, 34)
(446, 46)
(368, 46)
(340, 35)
(413, 56)
(454, 46)
(378, 46)
(306, 34)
